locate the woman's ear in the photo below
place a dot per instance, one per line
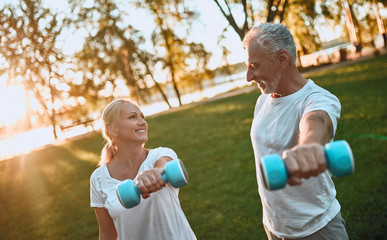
(111, 131)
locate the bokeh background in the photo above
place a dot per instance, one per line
(182, 61)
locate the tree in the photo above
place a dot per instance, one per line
(111, 52)
(174, 49)
(274, 8)
(282, 11)
(106, 56)
(29, 35)
(149, 61)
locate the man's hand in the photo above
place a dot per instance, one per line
(150, 181)
(304, 161)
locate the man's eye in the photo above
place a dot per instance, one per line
(254, 66)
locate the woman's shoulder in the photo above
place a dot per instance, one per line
(98, 172)
(162, 151)
(156, 153)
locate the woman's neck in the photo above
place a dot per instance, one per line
(130, 156)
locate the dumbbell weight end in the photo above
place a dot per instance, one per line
(128, 193)
(339, 159)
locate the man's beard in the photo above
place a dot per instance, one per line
(271, 87)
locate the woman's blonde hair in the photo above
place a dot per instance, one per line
(109, 121)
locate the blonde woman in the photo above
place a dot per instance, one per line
(124, 157)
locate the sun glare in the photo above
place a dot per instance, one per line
(12, 102)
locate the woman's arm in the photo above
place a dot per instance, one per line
(107, 230)
(160, 163)
(150, 180)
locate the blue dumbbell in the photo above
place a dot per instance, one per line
(339, 159)
(175, 173)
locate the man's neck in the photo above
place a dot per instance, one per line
(291, 82)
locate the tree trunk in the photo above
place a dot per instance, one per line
(230, 18)
(129, 75)
(149, 72)
(170, 65)
(157, 85)
(380, 22)
(53, 124)
(283, 11)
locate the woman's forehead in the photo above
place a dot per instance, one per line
(127, 107)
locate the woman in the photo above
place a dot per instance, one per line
(124, 157)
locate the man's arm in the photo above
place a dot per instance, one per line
(307, 158)
(315, 127)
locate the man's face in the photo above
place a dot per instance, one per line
(261, 69)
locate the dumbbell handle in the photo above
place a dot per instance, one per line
(338, 155)
(174, 172)
(138, 191)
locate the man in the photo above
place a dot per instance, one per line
(294, 118)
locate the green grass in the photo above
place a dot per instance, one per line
(45, 194)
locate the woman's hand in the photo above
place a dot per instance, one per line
(150, 181)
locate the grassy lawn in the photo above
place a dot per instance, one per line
(45, 194)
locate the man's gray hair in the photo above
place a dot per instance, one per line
(273, 37)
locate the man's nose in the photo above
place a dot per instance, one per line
(249, 75)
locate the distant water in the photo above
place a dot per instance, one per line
(27, 141)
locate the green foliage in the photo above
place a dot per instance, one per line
(45, 194)
(30, 56)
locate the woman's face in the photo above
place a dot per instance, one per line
(131, 125)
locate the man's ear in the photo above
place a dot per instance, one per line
(283, 58)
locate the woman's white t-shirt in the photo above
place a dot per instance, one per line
(158, 217)
(296, 211)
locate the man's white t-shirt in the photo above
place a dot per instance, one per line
(295, 211)
(158, 217)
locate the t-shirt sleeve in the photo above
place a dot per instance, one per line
(96, 193)
(327, 102)
(164, 152)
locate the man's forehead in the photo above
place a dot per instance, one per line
(254, 52)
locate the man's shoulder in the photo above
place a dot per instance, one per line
(317, 92)
(315, 88)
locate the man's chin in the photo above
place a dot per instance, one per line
(263, 90)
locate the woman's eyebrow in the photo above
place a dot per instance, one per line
(129, 113)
